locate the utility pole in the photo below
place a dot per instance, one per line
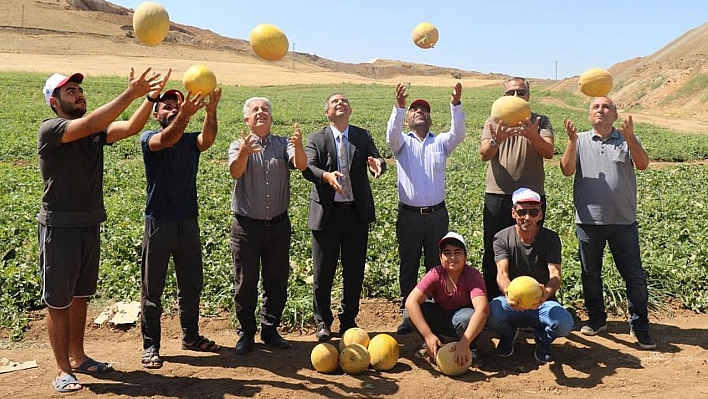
(556, 69)
(293, 56)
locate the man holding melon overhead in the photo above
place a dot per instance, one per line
(515, 149)
(421, 157)
(605, 198)
(528, 252)
(171, 158)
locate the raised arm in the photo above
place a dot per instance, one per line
(570, 155)
(636, 150)
(211, 126)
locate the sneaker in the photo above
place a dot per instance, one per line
(593, 328)
(643, 339)
(542, 353)
(405, 328)
(505, 347)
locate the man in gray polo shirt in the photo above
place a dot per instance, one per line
(605, 198)
(260, 229)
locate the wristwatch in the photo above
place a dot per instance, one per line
(493, 143)
(152, 100)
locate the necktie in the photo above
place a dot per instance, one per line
(345, 180)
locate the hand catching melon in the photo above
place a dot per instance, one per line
(524, 293)
(199, 79)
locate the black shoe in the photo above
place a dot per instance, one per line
(323, 333)
(405, 328)
(274, 340)
(245, 343)
(643, 339)
(345, 326)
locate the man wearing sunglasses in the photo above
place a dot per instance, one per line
(603, 161)
(515, 155)
(527, 249)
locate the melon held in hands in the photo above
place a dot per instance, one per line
(151, 23)
(524, 292)
(511, 110)
(445, 360)
(199, 79)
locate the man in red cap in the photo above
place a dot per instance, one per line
(70, 148)
(171, 159)
(421, 157)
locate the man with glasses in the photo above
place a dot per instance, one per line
(515, 155)
(605, 198)
(527, 249)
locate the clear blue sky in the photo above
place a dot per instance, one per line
(513, 37)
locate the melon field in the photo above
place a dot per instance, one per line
(672, 210)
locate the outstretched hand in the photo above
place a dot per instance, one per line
(626, 128)
(147, 82)
(375, 166)
(250, 143)
(570, 129)
(456, 94)
(156, 93)
(213, 103)
(401, 95)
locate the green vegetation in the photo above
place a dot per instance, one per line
(670, 212)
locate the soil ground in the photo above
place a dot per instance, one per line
(605, 366)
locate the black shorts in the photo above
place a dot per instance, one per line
(68, 262)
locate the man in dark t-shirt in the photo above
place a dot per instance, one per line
(171, 159)
(526, 249)
(70, 149)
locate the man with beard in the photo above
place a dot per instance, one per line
(70, 149)
(420, 158)
(171, 159)
(527, 249)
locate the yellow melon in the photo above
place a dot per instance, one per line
(269, 42)
(199, 79)
(511, 110)
(354, 359)
(524, 292)
(425, 35)
(445, 360)
(151, 23)
(354, 335)
(595, 82)
(384, 352)
(325, 358)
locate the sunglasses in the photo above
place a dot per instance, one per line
(522, 212)
(518, 92)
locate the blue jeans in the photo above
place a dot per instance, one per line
(549, 321)
(624, 245)
(444, 323)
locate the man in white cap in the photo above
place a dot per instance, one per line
(171, 159)
(527, 249)
(421, 157)
(70, 148)
(459, 306)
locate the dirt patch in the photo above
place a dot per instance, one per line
(608, 366)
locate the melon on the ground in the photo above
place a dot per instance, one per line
(269, 42)
(384, 352)
(354, 359)
(425, 35)
(199, 79)
(595, 82)
(445, 360)
(354, 335)
(151, 23)
(511, 110)
(325, 358)
(524, 292)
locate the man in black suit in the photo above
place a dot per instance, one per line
(341, 208)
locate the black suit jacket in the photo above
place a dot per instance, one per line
(321, 152)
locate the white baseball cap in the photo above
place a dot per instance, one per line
(59, 80)
(452, 236)
(525, 195)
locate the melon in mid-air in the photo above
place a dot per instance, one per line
(269, 42)
(384, 352)
(199, 79)
(595, 82)
(354, 359)
(445, 360)
(524, 292)
(325, 358)
(151, 23)
(511, 110)
(425, 35)
(354, 335)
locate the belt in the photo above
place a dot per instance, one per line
(351, 204)
(422, 209)
(265, 222)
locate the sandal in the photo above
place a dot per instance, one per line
(92, 367)
(202, 344)
(62, 382)
(151, 358)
